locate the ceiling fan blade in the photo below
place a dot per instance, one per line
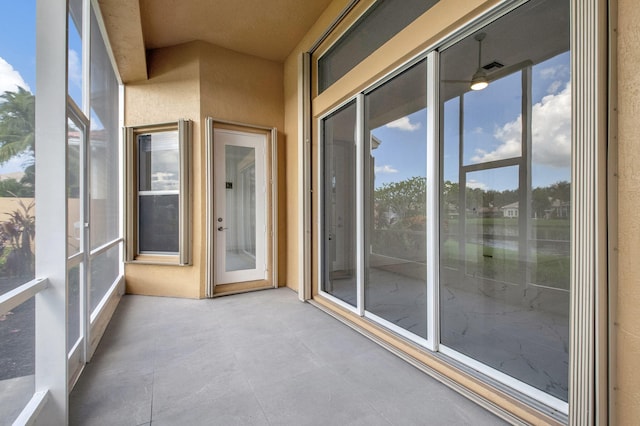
(505, 71)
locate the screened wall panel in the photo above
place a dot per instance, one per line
(104, 144)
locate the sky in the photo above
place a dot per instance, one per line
(492, 131)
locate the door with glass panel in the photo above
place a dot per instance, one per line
(240, 211)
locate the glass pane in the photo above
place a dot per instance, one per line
(17, 360)
(74, 305)
(339, 198)
(492, 130)
(380, 23)
(74, 57)
(158, 162)
(395, 188)
(504, 264)
(17, 142)
(240, 236)
(104, 144)
(75, 140)
(105, 269)
(158, 227)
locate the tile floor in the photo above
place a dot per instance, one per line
(261, 358)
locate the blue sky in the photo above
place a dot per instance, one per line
(492, 130)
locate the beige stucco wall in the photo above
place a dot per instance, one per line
(194, 81)
(172, 92)
(249, 90)
(627, 351)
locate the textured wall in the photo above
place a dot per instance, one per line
(172, 92)
(628, 304)
(193, 81)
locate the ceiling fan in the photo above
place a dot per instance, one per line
(481, 78)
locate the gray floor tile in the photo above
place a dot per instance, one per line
(253, 359)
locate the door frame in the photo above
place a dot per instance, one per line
(271, 133)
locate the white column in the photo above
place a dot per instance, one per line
(51, 208)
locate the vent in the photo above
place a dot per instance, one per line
(493, 65)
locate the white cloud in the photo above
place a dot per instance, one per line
(555, 73)
(553, 87)
(474, 184)
(404, 124)
(75, 68)
(386, 169)
(478, 130)
(551, 128)
(10, 78)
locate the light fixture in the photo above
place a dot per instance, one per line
(479, 80)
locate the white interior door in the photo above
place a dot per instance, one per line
(240, 206)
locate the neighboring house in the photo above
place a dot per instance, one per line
(510, 210)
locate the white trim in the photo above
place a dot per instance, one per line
(397, 329)
(360, 242)
(433, 202)
(516, 384)
(105, 247)
(19, 295)
(338, 302)
(30, 412)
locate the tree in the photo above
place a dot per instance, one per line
(406, 200)
(17, 124)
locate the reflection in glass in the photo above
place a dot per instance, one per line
(339, 204)
(158, 162)
(382, 21)
(504, 227)
(396, 133)
(105, 269)
(74, 300)
(240, 235)
(158, 228)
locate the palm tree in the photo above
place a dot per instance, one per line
(17, 124)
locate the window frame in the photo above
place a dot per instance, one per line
(133, 254)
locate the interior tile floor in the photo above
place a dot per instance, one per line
(261, 358)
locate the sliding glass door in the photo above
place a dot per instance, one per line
(494, 186)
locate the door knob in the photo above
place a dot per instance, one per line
(220, 228)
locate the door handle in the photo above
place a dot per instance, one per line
(220, 228)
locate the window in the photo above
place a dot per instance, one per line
(379, 24)
(158, 193)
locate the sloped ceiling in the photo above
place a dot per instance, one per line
(266, 29)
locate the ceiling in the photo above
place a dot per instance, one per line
(268, 30)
